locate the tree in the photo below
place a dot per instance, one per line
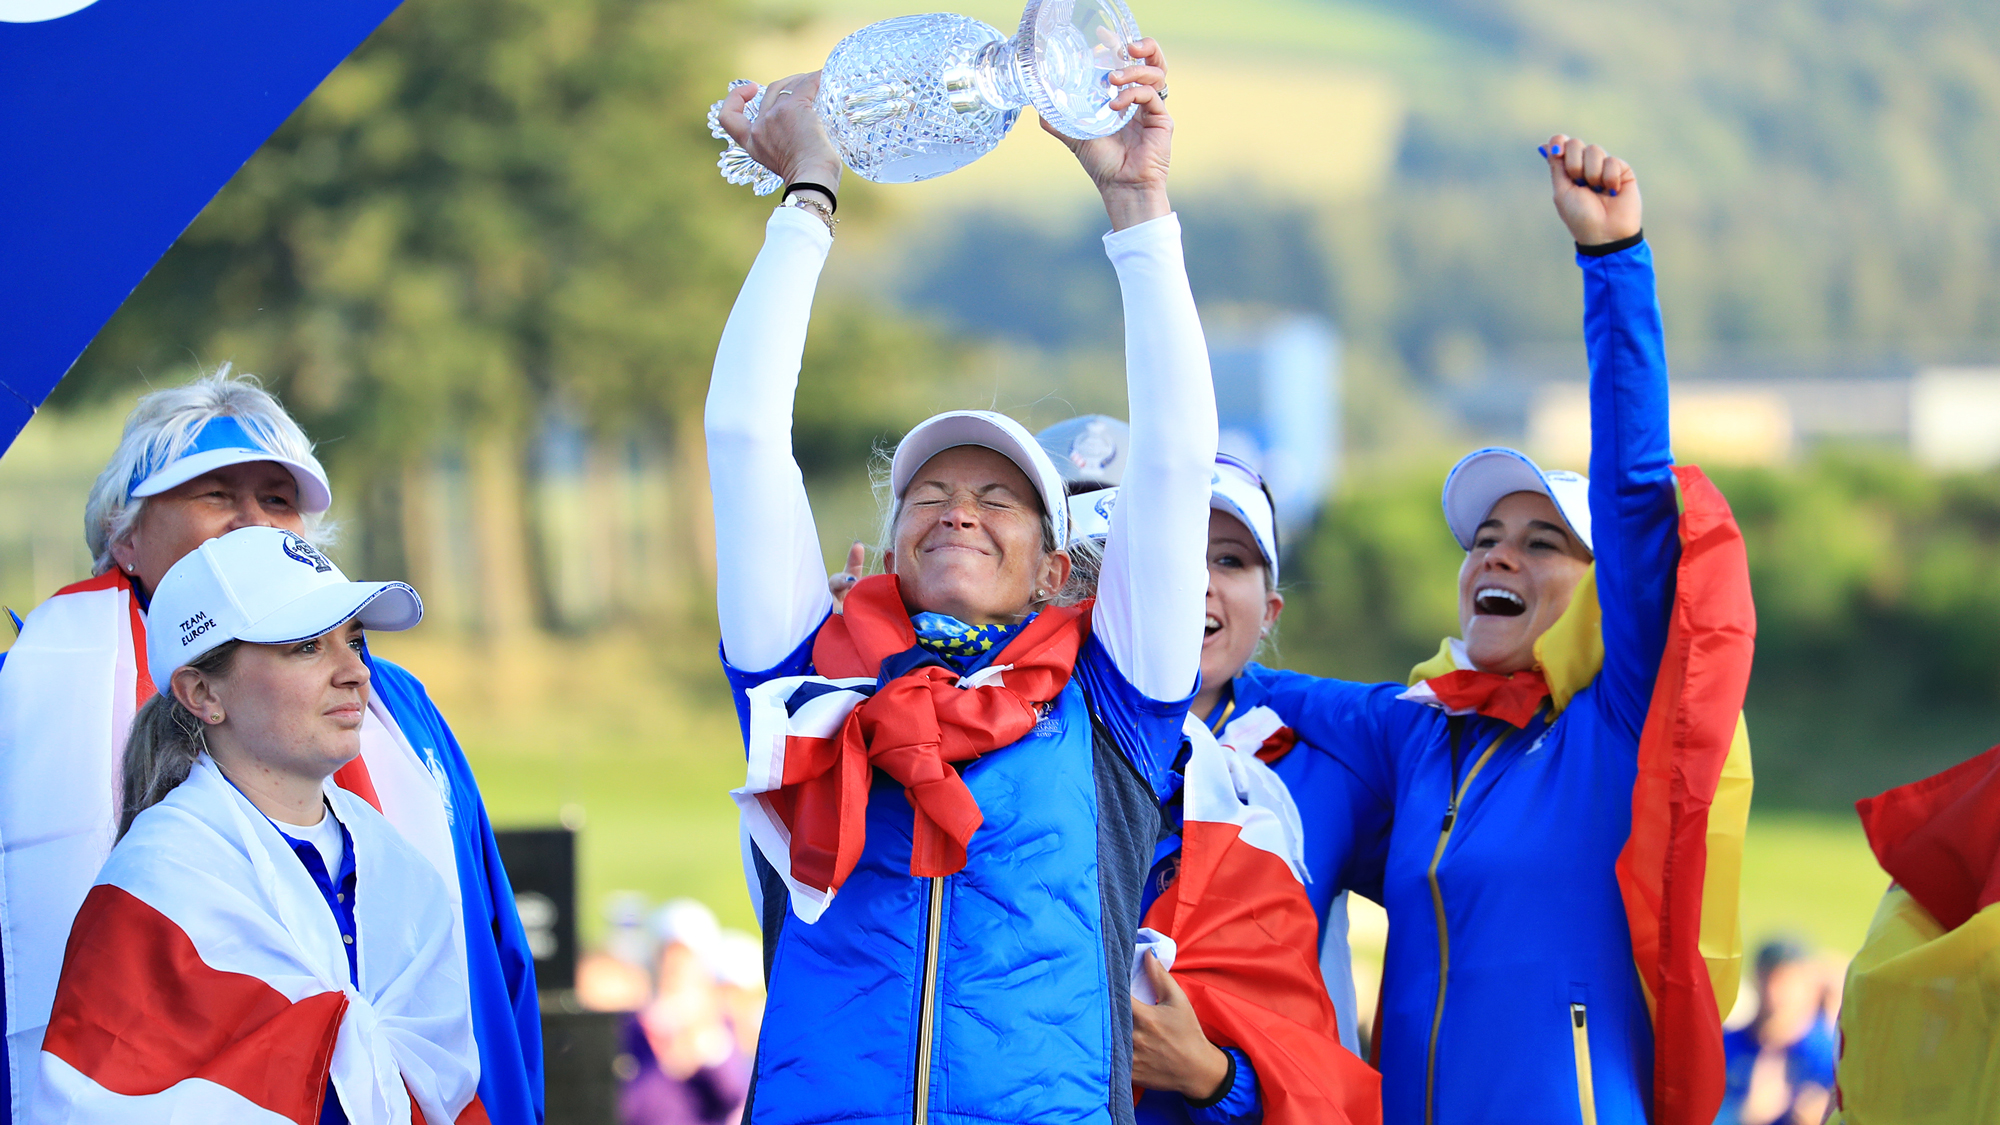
(491, 211)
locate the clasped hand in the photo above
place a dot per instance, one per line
(1169, 1050)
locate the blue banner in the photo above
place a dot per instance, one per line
(119, 121)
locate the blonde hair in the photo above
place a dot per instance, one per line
(162, 426)
(166, 740)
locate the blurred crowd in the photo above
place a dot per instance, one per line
(1781, 1047)
(693, 997)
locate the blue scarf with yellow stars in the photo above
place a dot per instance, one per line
(965, 648)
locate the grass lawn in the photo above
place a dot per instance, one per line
(1810, 875)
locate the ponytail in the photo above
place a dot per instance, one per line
(166, 739)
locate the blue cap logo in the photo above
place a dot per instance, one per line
(306, 553)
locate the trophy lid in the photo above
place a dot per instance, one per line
(1064, 49)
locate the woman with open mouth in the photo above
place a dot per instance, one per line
(1533, 810)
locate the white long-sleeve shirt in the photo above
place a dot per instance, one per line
(771, 590)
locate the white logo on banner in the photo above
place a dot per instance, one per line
(36, 11)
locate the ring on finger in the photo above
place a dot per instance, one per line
(1163, 91)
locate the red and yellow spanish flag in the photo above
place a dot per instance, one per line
(1681, 867)
(1920, 1019)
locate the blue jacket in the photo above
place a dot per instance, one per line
(506, 1008)
(1000, 993)
(1518, 956)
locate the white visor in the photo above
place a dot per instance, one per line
(1090, 514)
(1485, 476)
(1088, 450)
(262, 585)
(1235, 489)
(989, 430)
(224, 441)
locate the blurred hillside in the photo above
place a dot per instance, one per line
(488, 261)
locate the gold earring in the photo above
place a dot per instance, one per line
(215, 718)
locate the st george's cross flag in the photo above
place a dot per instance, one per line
(207, 980)
(1247, 940)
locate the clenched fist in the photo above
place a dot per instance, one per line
(1595, 193)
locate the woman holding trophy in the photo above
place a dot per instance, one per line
(954, 782)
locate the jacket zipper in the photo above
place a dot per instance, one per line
(1579, 1031)
(1444, 935)
(927, 1011)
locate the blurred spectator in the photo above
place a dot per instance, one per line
(739, 974)
(618, 978)
(1781, 1064)
(689, 1066)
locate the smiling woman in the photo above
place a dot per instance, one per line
(954, 780)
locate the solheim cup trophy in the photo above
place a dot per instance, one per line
(915, 97)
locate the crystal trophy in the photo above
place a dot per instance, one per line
(914, 97)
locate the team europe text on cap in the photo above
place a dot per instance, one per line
(266, 586)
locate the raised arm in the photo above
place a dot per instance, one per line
(1633, 512)
(1155, 573)
(770, 586)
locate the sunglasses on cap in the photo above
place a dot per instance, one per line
(1257, 479)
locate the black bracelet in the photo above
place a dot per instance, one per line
(832, 200)
(1605, 249)
(1222, 1091)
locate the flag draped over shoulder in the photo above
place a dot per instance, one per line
(68, 691)
(1679, 870)
(206, 979)
(1247, 942)
(1920, 1017)
(71, 684)
(815, 741)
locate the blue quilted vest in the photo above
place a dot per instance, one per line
(998, 994)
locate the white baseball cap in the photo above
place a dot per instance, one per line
(1238, 489)
(266, 586)
(989, 430)
(1484, 476)
(1234, 487)
(223, 441)
(1090, 514)
(1088, 450)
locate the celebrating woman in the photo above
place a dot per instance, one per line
(262, 944)
(1531, 812)
(954, 782)
(1246, 1011)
